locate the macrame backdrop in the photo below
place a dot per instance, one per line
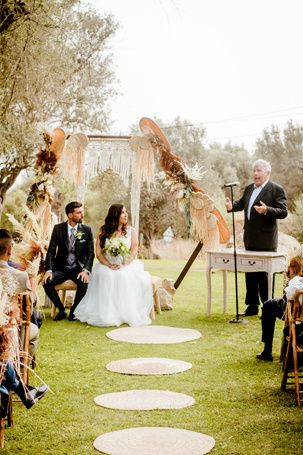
(143, 170)
(72, 162)
(129, 157)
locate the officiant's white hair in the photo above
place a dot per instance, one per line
(264, 164)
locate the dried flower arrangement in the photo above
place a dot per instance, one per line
(202, 216)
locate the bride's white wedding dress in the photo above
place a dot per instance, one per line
(115, 297)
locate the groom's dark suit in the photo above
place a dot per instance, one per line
(58, 261)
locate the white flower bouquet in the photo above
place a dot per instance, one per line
(116, 248)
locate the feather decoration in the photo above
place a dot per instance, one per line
(32, 223)
(32, 249)
(57, 142)
(144, 163)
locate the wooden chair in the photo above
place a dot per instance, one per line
(8, 420)
(25, 307)
(2, 430)
(67, 285)
(294, 352)
(2, 420)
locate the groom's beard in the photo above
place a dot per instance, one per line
(77, 219)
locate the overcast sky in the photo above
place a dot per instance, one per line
(233, 65)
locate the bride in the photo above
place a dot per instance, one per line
(120, 291)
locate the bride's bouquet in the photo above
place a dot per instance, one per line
(116, 248)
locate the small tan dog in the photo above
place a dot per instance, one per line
(166, 293)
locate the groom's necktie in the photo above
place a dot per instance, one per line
(71, 259)
(72, 238)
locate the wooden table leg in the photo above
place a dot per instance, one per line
(2, 429)
(208, 279)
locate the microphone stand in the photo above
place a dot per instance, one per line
(237, 319)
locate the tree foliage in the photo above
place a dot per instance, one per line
(11, 11)
(284, 150)
(103, 191)
(158, 211)
(55, 69)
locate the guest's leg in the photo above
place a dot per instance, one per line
(10, 381)
(263, 285)
(33, 339)
(272, 309)
(58, 277)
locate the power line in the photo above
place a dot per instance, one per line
(262, 115)
(230, 137)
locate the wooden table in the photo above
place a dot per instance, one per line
(247, 261)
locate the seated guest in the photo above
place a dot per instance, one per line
(9, 381)
(16, 265)
(6, 246)
(275, 308)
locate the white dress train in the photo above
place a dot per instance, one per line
(116, 297)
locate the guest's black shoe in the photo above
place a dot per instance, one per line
(265, 356)
(60, 315)
(72, 317)
(251, 310)
(32, 395)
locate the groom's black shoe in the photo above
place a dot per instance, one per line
(72, 317)
(60, 315)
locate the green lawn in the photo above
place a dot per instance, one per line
(238, 399)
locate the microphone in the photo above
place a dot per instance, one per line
(229, 185)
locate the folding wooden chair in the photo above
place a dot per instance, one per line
(67, 285)
(294, 353)
(25, 307)
(2, 420)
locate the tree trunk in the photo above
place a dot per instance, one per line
(6, 181)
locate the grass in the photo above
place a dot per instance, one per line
(238, 399)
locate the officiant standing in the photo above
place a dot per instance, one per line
(70, 256)
(263, 203)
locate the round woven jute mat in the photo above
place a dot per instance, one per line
(148, 366)
(153, 334)
(144, 400)
(154, 441)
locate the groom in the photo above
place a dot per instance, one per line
(70, 256)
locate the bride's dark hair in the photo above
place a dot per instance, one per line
(111, 223)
